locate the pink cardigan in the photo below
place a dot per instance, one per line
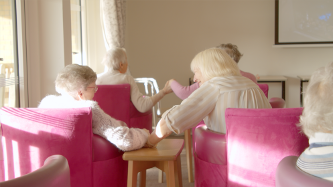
(184, 91)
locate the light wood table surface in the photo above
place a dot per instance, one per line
(164, 156)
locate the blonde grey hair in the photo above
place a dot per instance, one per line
(317, 114)
(113, 57)
(214, 62)
(232, 51)
(74, 78)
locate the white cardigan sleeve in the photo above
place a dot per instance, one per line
(142, 104)
(117, 132)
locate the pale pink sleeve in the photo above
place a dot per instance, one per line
(249, 76)
(183, 91)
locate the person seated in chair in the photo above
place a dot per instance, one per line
(115, 62)
(77, 86)
(184, 91)
(221, 87)
(317, 123)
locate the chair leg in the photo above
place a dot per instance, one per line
(188, 147)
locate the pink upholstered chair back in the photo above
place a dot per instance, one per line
(115, 100)
(54, 173)
(264, 88)
(289, 175)
(257, 140)
(31, 135)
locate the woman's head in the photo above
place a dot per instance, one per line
(116, 59)
(317, 115)
(211, 63)
(232, 51)
(77, 81)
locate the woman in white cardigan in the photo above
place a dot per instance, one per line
(77, 86)
(115, 62)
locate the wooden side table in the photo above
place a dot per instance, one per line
(165, 156)
(273, 79)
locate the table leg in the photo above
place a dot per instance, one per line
(143, 178)
(170, 173)
(188, 147)
(132, 174)
(284, 90)
(178, 173)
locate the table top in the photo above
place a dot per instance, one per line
(272, 78)
(167, 149)
(304, 77)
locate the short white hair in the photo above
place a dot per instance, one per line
(215, 62)
(113, 57)
(317, 114)
(74, 78)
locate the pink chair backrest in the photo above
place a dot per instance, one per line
(31, 135)
(264, 88)
(115, 100)
(257, 140)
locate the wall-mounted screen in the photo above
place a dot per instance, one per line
(303, 22)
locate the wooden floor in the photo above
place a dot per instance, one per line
(152, 175)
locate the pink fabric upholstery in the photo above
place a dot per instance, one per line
(275, 102)
(32, 134)
(257, 140)
(288, 175)
(54, 173)
(209, 158)
(115, 100)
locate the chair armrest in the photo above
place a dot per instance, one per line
(289, 175)
(103, 149)
(210, 146)
(54, 173)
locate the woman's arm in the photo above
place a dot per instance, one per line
(182, 91)
(186, 115)
(117, 132)
(143, 104)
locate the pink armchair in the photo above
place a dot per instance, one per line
(30, 135)
(288, 175)
(115, 100)
(248, 154)
(54, 173)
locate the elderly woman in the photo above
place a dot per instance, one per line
(317, 123)
(77, 87)
(184, 91)
(115, 62)
(221, 87)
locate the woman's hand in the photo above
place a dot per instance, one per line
(167, 88)
(170, 81)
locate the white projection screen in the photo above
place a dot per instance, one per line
(303, 22)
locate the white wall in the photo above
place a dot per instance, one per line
(163, 37)
(48, 33)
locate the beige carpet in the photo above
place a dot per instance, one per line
(152, 175)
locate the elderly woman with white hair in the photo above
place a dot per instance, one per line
(317, 123)
(115, 62)
(221, 87)
(77, 87)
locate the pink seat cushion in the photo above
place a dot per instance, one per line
(257, 140)
(277, 102)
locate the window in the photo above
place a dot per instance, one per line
(8, 55)
(76, 32)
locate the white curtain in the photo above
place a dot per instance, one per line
(113, 18)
